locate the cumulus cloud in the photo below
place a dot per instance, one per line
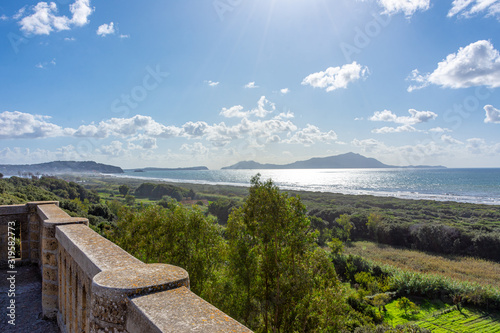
(264, 107)
(408, 7)
(285, 91)
(450, 140)
(399, 129)
(81, 11)
(492, 115)
(310, 135)
(212, 83)
(415, 117)
(439, 130)
(106, 29)
(251, 85)
(477, 64)
(235, 111)
(336, 77)
(44, 18)
(17, 124)
(196, 149)
(115, 148)
(468, 8)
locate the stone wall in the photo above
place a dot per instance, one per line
(91, 285)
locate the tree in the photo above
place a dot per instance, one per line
(271, 245)
(1, 175)
(178, 236)
(124, 190)
(374, 221)
(129, 199)
(380, 300)
(406, 305)
(345, 223)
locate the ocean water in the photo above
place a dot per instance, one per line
(461, 185)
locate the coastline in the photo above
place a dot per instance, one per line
(404, 195)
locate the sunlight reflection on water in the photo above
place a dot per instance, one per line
(464, 185)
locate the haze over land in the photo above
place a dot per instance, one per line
(181, 83)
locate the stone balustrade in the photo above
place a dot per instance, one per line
(90, 284)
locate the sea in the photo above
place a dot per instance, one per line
(481, 186)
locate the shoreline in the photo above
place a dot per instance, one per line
(403, 195)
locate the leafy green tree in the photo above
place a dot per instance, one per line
(124, 190)
(344, 221)
(373, 224)
(406, 305)
(221, 208)
(177, 236)
(273, 260)
(129, 200)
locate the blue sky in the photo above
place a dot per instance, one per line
(214, 82)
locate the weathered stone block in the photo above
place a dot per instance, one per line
(50, 288)
(49, 232)
(111, 312)
(49, 306)
(50, 274)
(49, 258)
(50, 244)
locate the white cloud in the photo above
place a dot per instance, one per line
(115, 148)
(195, 129)
(415, 117)
(251, 85)
(14, 125)
(124, 36)
(126, 127)
(70, 39)
(3, 17)
(476, 145)
(336, 77)
(285, 91)
(408, 7)
(477, 64)
(492, 115)
(440, 130)
(235, 111)
(81, 11)
(43, 65)
(212, 83)
(264, 107)
(310, 135)
(450, 140)
(287, 115)
(196, 149)
(399, 129)
(44, 18)
(106, 29)
(468, 8)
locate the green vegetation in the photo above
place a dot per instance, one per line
(480, 271)
(293, 262)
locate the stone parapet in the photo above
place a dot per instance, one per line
(92, 285)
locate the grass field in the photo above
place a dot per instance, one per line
(479, 271)
(439, 317)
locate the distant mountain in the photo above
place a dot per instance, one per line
(198, 168)
(344, 161)
(59, 167)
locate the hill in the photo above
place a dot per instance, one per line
(344, 161)
(59, 167)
